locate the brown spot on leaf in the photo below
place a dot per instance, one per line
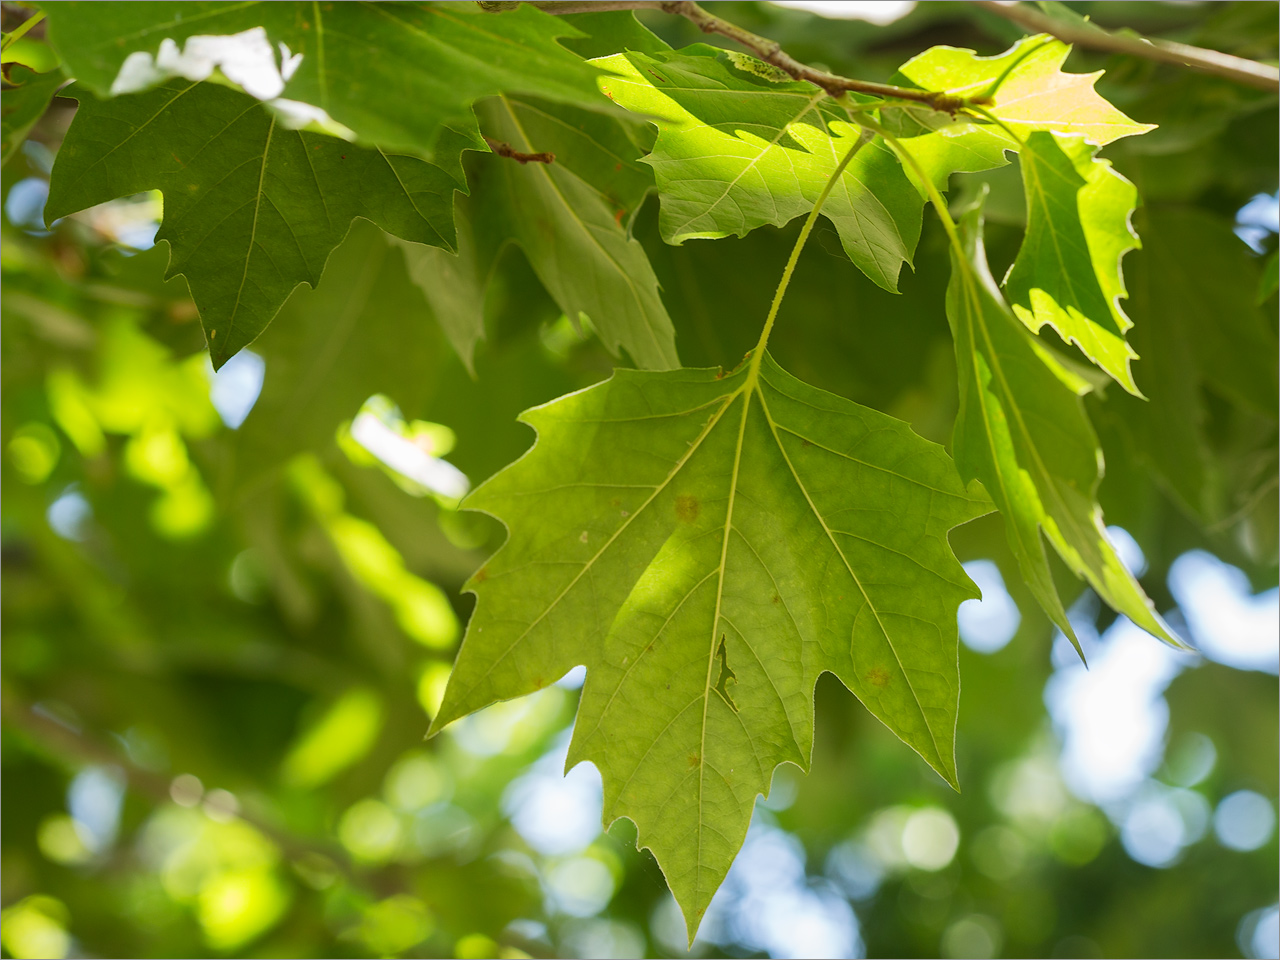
(878, 676)
(687, 508)
(693, 760)
(481, 575)
(806, 443)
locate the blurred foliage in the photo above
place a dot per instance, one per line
(222, 646)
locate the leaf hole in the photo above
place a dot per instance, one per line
(727, 676)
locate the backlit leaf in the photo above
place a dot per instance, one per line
(707, 546)
(251, 209)
(739, 148)
(1027, 89)
(1023, 432)
(1067, 273)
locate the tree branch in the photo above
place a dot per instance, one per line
(1248, 72)
(767, 50)
(506, 150)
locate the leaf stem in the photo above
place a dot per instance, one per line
(757, 353)
(935, 197)
(767, 50)
(21, 30)
(1248, 72)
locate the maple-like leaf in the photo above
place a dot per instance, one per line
(707, 546)
(741, 145)
(1067, 273)
(1026, 89)
(251, 209)
(1022, 430)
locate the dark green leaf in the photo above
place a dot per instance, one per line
(251, 209)
(573, 237)
(26, 95)
(401, 75)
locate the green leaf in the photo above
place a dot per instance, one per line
(739, 148)
(1197, 325)
(707, 546)
(1022, 430)
(1067, 273)
(400, 75)
(251, 209)
(453, 285)
(603, 151)
(26, 95)
(1269, 280)
(574, 240)
(1027, 89)
(364, 330)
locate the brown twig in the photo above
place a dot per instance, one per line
(506, 150)
(1248, 72)
(767, 50)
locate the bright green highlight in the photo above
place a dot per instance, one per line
(1067, 273)
(708, 546)
(738, 148)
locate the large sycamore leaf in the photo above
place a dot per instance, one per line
(1027, 90)
(1022, 430)
(574, 239)
(741, 145)
(1067, 273)
(251, 209)
(398, 74)
(707, 546)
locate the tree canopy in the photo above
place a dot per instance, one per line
(632, 383)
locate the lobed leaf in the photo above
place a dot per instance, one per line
(739, 148)
(251, 209)
(1022, 430)
(1067, 273)
(707, 546)
(1027, 90)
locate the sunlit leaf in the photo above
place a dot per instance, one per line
(1067, 273)
(708, 545)
(1023, 432)
(1027, 89)
(740, 145)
